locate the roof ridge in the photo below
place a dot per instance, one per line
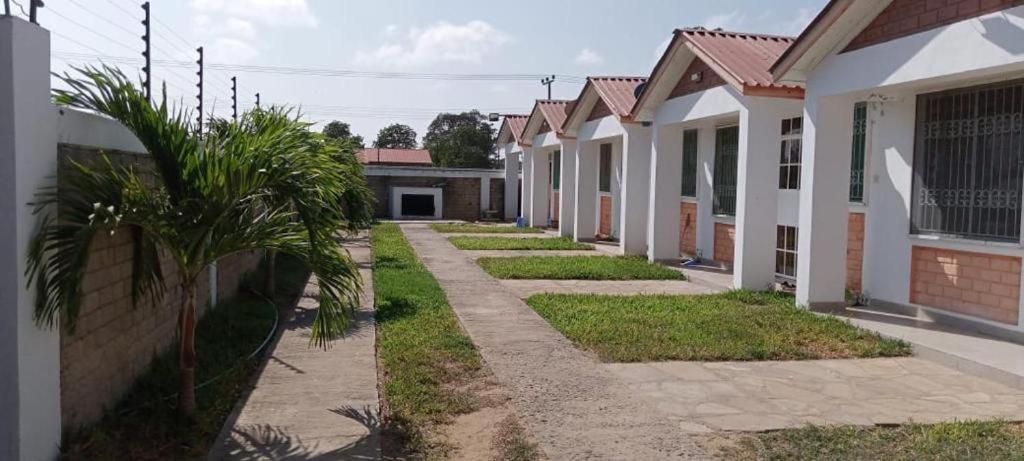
(620, 77)
(702, 30)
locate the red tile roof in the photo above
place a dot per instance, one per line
(384, 156)
(746, 58)
(619, 93)
(554, 111)
(515, 123)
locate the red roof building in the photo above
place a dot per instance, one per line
(394, 157)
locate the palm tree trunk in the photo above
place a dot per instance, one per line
(187, 351)
(269, 283)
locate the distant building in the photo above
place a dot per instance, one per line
(394, 157)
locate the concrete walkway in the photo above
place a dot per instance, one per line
(759, 396)
(576, 407)
(526, 288)
(312, 403)
(477, 254)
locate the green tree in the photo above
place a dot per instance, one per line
(341, 131)
(396, 136)
(463, 140)
(264, 182)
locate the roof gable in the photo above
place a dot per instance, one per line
(602, 97)
(512, 128)
(546, 114)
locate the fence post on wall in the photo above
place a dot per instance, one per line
(29, 355)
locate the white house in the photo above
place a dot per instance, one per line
(725, 160)
(915, 109)
(543, 145)
(605, 185)
(510, 148)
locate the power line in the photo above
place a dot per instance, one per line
(94, 31)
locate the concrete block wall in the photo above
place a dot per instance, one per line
(725, 242)
(977, 284)
(854, 251)
(461, 195)
(605, 218)
(113, 341)
(497, 196)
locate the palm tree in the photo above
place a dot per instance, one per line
(265, 182)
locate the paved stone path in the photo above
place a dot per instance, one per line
(308, 402)
(576, 408)
(758, 396)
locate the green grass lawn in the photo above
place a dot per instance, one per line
(577, 268)
(976, 440)
(517, 243)
(424, 354)
(468, 228)
(146, 425)
(737, 325)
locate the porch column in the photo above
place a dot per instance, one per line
(585, 208)
(539, 190)
(511, 184)
(705, 191)
(527, 195)
(30, 423)
(757, 194)
(567, 196)
(636, 185)
(663, 204)
(824, 194)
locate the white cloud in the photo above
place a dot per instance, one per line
(660, 50)
(589, 57)
(269, 12)
(390, 30)
(240, 28)
(231, 50)
(733, 21)
(796, 25)
(442, 42)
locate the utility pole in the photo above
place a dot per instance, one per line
(257, 100)
(547, 81)
(200, 86)
(234, 98)
(148, 68)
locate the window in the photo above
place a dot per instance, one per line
(556, 170)
(785, 251)
(689, 182)
(967, 163)
(860, 136)
(726, 155)
(789, 161)
(605, 174)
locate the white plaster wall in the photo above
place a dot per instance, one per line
(512, 153)
(88, 129)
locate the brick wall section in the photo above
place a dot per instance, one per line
(604, 222)
(906, 17)
(600, 110)
(544, 127)
(725, 242)
(498, 197)
(113, 342)
(854, 250)
(685, 86)
(976, 284)
(460, 196)
(688, 228)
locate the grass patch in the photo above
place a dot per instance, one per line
(469, 228)
(976, 440)
(577, 268)
(737, 325)
(517, 243)
(511, 442)
(424, 354)
(146, 426)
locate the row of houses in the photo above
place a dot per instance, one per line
(881, 152)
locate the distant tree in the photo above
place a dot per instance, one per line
(463, 140)
(342, 132)
(396, 136)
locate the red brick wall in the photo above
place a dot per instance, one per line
(554, 207)
(605, 221)
(976, 284)
(854, 250)
(600, 110)
(906, 17)
(685, 86)
(460, 196)
(688, 228)
(544, 127)
(725, 242)
(113, 342)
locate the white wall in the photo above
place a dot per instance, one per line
(88, 129)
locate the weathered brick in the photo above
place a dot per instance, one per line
(906, 17)
(987, 293)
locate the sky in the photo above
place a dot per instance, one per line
(373, 63)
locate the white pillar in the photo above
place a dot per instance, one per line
(663, 204)
(540, 192)
(636, 183)
(757, 191)
(527, 196)
(567, 197)
(705, 191)
(30, 383)
(485, 194)
(824, 195)
(585, 208)
(511, 183)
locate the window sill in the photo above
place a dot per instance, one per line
(725, 219)
(978, 246)
(687, 199)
